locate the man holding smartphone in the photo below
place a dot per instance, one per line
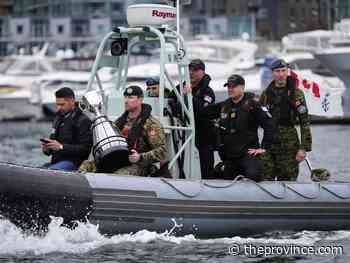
(71, 137)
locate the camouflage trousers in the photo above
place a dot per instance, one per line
(279, 162)
(89, 166)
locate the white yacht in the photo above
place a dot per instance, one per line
(221, 57)
(43, 88)
(309, 41)
(337, 57)
(15, 82)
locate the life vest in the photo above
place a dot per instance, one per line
(282, 103)
(239, 127)
(135, 133)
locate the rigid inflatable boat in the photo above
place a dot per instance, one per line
(124, 204)
(205, 208)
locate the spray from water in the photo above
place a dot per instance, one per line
(86, 237)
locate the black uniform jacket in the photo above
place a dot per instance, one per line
(238, 125)
(203, 96)
(73, 130)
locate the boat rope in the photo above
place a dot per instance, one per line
(334, 193)
(181, 192)
(303, 195)
(241, 177)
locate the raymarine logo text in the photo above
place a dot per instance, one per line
(163, 14)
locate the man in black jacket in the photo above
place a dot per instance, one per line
(203, 96)
(239, 119)
(71, 137)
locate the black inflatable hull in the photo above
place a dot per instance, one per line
(121, 204)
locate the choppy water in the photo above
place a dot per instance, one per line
(19, 143)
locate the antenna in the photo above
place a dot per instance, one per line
(177, 4)
(178, 16)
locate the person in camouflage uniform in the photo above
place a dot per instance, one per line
(287, 105)
(145, 135)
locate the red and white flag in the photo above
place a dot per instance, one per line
(322, 97)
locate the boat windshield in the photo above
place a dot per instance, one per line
(312, 64)
(75, 85)
(211, 53)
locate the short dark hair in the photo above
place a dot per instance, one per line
(65, 92)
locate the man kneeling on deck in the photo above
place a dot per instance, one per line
(145, 136)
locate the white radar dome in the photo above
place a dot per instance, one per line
(151, 15)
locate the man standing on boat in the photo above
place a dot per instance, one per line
(203, 96)
(239, 118)
(71, 138)
(288, 107)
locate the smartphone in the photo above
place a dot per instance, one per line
(44, 140)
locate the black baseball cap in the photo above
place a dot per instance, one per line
(197, 64)
(152, 81)
(235, 80)
(133, 91)
(278, 63)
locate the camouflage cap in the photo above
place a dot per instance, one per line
(133, 91)
(197, 64)
(235, 80)
(278, 63)
(320, 174)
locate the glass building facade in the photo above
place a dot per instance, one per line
(71, 23)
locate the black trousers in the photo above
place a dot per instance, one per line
(248, 166)
(206, 157)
